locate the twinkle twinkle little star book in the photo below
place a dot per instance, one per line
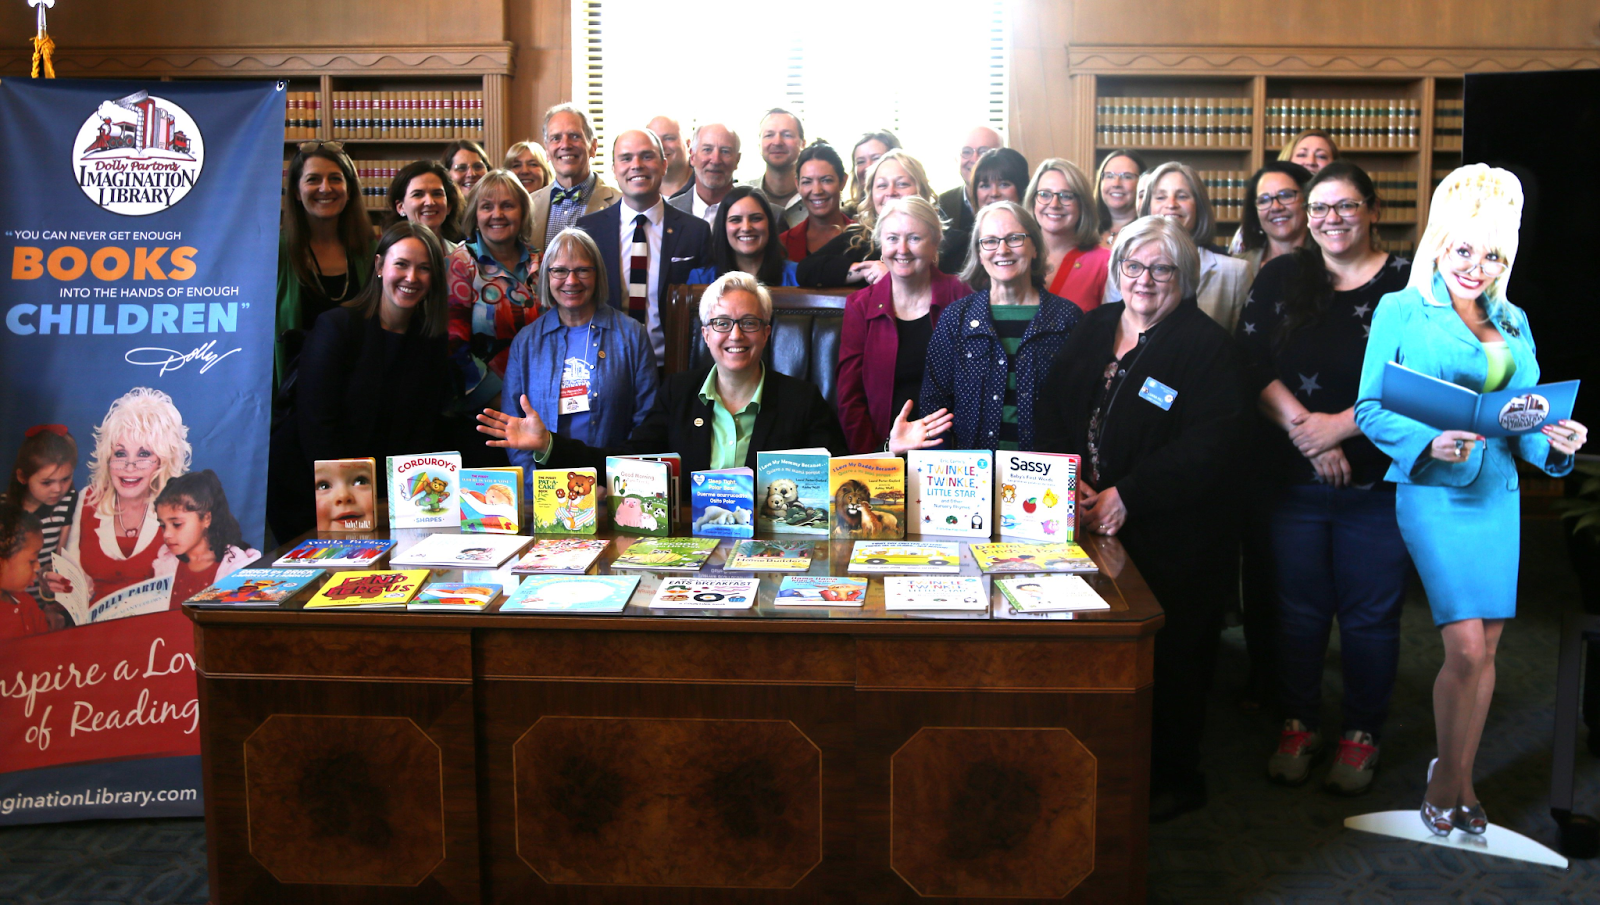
(425, 490)
(950, 492)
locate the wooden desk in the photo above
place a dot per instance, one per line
(770, 755)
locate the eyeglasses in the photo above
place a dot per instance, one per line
(144, 463)
(1047, 197)
(747, 324)
(990, 243)
(1161, 273)
(1464, 263)
(476, 167)
(1285, 197)
(560, 274)
(1345, 208)
(306, 147)
(1107, 176)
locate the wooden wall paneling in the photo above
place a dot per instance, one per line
(542, 32)
(1258, 126)
(1041, 94)
(496, 110)
(1430, 97)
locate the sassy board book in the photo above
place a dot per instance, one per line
(593, 594)
(491, 500)
(907, 592)
(821, 591)
(639, 496)
(671, 554)
(792, 491)
(722, 501)
(906, 556)
(572, 555)
(867, 497)
(460, 551)
(1050, 594)
(320, 553)
(950, 492)
(369, 590)
(1007, 557)
(1038, 495)
(455, 597)
(564, 501)
(255, 587)
(769, 556)
(688, 592)
(425, 490)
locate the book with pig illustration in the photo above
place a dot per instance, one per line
(1037, 494)
(564, 501)
(640, 494)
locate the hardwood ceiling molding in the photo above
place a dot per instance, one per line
(453, 59)
(1129, 59)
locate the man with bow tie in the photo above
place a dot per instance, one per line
(576, 190)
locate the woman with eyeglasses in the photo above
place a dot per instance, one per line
(1116, 199)
(990, 351)
(1150, 392)
(1274, 222)
(744, 238)
(1457, 497)
(466, 161)
(718, 417)
(325, 253)
(1075, 262)
(1326, 514)
(1177, 193)
(584, 367)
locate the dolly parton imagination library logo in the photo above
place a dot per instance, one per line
(138, 155)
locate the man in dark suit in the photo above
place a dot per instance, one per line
(956, 204)
(646, 244)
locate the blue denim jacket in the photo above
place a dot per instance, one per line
(624, 381)
(966, 370)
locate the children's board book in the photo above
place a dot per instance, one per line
(639, 496)
(867, 497)
(256, 587)
(491, 500)
(722, 502)
(594, 594)
(908, 592)
(1059, 557)
(950, 493)
(792, 491)
(690, 592)
(769, 556)
(1038, 495)
(455, 597)
(346, 494)
(1050, 594)
(821, 591)
(424, 490)
(460, 551)
(319, 553)
(935, 557)
(674, 463)
(571, 555)
(667, 554)
(369, 590)
(564, 501)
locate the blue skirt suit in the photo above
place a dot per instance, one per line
(1461, 521)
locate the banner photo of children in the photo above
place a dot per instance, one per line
(135, 395)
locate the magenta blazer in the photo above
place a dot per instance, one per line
(868, 345)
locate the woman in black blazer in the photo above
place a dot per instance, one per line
(372, 378)
(1150, 392)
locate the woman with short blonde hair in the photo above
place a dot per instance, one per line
(492, 283)
(529, 162)
(1178, 193)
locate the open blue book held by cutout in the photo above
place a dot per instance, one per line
(1446, 406)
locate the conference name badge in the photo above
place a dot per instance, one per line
(1158, 394)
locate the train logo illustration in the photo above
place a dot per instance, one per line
(138, 154)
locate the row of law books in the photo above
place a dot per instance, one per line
(302, 115)
(1226, 189)
(407, 114)
(1397, 189)
(1448, 116)
(1362, 123)
(1185, 122)
(375, 176)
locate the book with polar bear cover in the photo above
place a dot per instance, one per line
(1037, 495)
(949, 492)
(640, 494)
(792, 491)
(721, 502)
(867, 497)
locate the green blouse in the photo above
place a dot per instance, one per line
(1501, 365)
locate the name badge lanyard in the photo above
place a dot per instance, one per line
(575, 396)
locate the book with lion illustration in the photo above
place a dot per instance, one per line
(639, 491)
(867, 497)
(564, 501)
(1037, 495)
(491, 500)
(425, 490)
(792, 491)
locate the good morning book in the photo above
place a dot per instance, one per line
(560, 554)
(792, 491)
(491, 500)
(1061, 557)
(565, 501)
(256, 587)
(455, 597)
(319, 553)
(1038, 495)
(639, 497)
(950, 493)
(721, 502)
(591, 594)
(424, 490)
(667, 554)
(460, 551)
(868, 497)
(369, 590)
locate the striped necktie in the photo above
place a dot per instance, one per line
(638, 270)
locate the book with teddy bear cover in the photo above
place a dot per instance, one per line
(564, 501)
(792, 491)
(425, 490)
(721, 502)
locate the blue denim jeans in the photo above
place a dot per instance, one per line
(1339, 555)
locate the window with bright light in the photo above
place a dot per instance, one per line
(928, 72)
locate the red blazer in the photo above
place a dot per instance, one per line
(1081, 278)
(868, 345)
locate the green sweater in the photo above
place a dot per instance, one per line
(289, 308)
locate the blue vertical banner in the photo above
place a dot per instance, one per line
(138, 237)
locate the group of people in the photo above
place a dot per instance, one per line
(1014, 311)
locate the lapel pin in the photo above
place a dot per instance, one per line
(699, 422)
(602, 353)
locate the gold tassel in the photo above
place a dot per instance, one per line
(43, 47)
